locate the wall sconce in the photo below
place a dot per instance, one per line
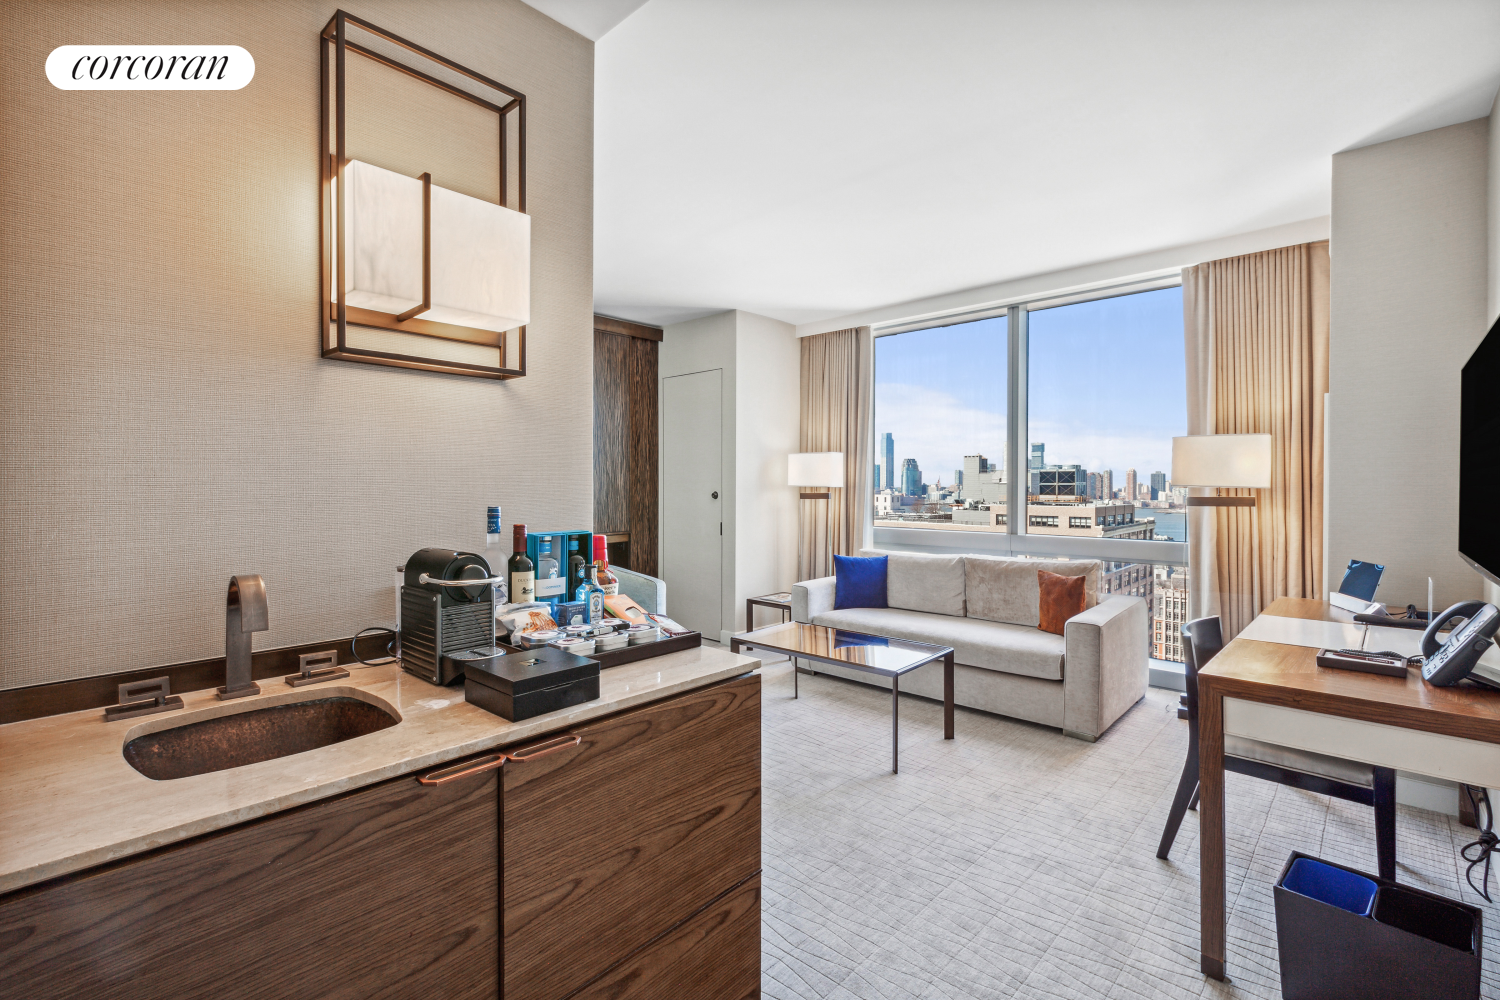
(447, 274)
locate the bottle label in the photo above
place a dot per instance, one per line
(596, 607)
(551, 586)
(611, 589)
(522, 587)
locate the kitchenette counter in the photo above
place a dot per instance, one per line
(73, 802)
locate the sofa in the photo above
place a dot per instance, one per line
(988, 608)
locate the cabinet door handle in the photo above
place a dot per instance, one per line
(491, 763)
(544, 748)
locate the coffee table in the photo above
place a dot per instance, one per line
(873, 654)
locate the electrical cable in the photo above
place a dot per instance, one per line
(1485, 845)
(392, 657)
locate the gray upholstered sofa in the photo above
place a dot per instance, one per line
(987, 608)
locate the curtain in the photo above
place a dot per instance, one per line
(1256, 332)
(837, 386)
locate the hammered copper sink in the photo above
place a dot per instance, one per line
(251, 737)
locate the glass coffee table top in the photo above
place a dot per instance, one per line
(877, 654)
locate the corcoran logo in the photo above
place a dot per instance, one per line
(149, 67)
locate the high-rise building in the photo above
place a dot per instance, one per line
(888, 461)
(1107, 484)
(911, 478)
(1130, 493)
(958, 478)
(1168, 612)
(875, 483)
(1158, 482)
(1038, 455)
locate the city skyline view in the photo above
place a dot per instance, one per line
(1106, 388)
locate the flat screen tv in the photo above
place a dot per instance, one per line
(1479, 458)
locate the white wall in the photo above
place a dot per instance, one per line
(1409, 289)
(769, 400)
(1156, 263)
(760, 359)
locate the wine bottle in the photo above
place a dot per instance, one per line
(522, 573)
(609, 584)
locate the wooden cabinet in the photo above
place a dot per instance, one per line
(627, 865)
(390, 891)
(615, 844)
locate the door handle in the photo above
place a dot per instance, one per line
(715, 495)
(544, 748)
(491, 763)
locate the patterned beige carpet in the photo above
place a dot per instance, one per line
(1014, 862)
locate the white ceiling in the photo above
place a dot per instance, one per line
(804, 160)
(590, 18)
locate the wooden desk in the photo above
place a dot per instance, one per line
(1278, 694)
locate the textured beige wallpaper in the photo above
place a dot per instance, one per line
(165, 419)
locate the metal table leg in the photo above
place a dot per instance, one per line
(795, 692)
(895, 718)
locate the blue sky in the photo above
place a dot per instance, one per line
(1107, 387)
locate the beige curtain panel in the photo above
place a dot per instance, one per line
(1257, 362)
(837, 382)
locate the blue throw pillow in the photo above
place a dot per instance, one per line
(860, 582)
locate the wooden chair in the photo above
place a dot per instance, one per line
(1311, 772)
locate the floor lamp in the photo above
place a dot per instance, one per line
(818, 473)
(1226, 461)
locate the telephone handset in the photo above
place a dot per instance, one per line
(1447, 663)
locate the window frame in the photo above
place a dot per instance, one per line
(1015, 540)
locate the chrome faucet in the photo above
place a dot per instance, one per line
(244, 613)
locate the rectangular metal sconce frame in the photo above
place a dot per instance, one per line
(336, 316)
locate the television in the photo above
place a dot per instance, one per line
(1479, 458)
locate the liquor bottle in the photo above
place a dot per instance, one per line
(522, 573)
(494, 551)
(608, 582)
(577, 566)
(589, 593)
(547, 567)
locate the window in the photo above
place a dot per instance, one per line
(940, 415)
(1089, 456)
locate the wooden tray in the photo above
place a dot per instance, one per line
(629, 654)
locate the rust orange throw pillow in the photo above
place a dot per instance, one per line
(1062, 598)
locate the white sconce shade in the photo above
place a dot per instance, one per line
(480, 252)
(1224, 460)
(816, 468)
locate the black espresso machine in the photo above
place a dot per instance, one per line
(447, 609)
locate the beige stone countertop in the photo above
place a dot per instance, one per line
(69, 800)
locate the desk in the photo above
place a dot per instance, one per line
(1278, 694)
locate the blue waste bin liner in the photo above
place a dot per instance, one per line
(1335, 886)
(1338, 939)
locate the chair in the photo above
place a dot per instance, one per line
(1311, 772)
(647, 591)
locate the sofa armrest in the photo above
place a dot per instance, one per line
(647, 591)
(1105, 664)
(812, 597)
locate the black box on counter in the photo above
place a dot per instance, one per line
(531, 682)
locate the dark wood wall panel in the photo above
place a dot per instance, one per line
(644, 445)
(611, 431)
(625, 437)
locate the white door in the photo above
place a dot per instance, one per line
(692, 511)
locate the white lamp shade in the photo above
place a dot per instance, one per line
(1228, 460)
(481, 252)
(816, 468)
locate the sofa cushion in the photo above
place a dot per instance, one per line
(1001, 589)
(1008, 649)
(859, 581)
(917, 581)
